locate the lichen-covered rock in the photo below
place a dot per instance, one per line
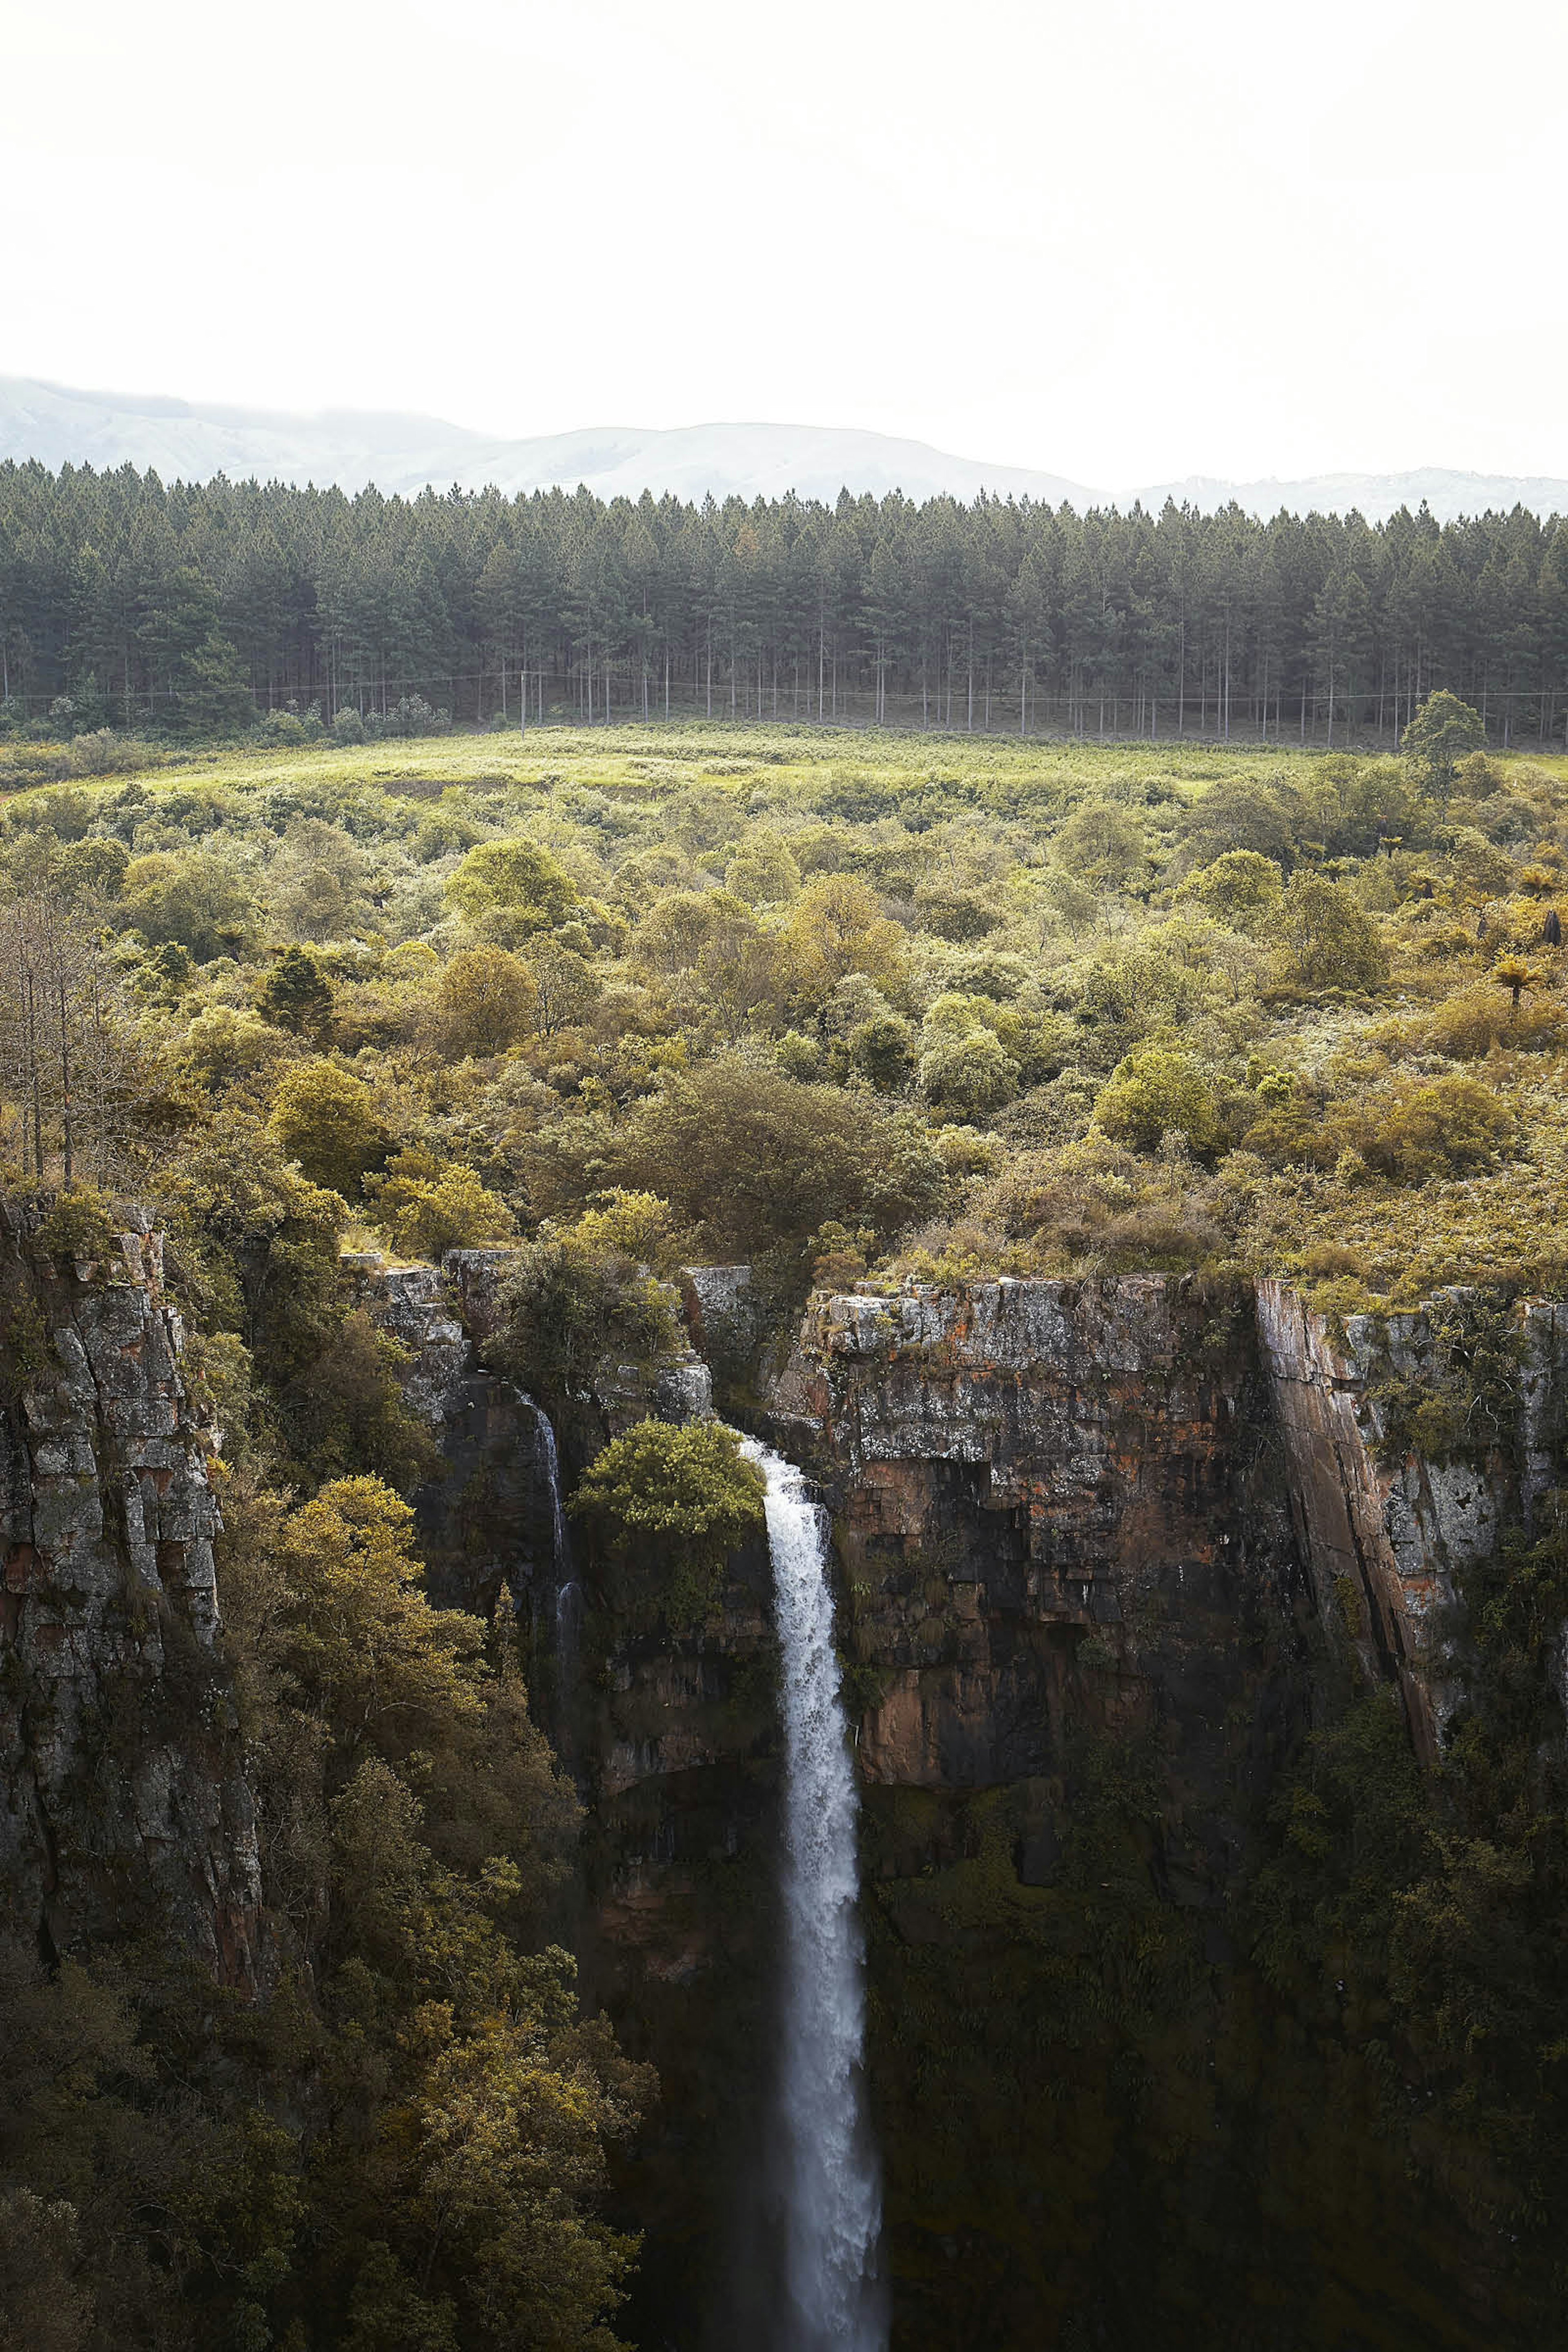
(123, 1803)
(1387, 1534)
(411, 1304)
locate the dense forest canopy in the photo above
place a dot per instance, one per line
(189, 607)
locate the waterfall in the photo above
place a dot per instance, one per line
(568, 1595)
(834, 2192)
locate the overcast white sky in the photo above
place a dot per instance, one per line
(1125, 240)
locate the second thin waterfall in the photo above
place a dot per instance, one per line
(568, 1592)
(833, 2214)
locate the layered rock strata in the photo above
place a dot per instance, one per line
(1387, 1533)
(124, 1810)
(1053, 1500)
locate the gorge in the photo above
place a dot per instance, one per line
(1104, 1555)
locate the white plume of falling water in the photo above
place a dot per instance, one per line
(834, 2191)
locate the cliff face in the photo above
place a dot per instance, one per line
(1385, 1533)
(1053, 1500)
(1107, 1550)
(123, 1804)
(1103, 1548)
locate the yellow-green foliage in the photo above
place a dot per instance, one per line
(671, 1504)
(753, 974)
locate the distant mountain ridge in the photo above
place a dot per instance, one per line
(58, 425)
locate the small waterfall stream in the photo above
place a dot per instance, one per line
(833, 2187)
(567, 1602)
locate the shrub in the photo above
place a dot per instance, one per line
(344, 1411)
(77, 1226)
(1155, 1092)
(1328, 940)
(451, 1211)
(955, 914)
(1466, 1025)
(677, 1501)
(221, 1045)
(567, 1305)
(636, 1226)
(1446, 1128)
(323, 1117)
(97, 864)
(485, 1001)
(968, 1071)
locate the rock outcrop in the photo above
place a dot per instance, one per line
(1385, 1532)
(1052, 1505)
(489, 1524)
(123, 1805)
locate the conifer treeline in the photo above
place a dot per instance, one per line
(167, 605)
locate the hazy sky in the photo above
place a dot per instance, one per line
(1121, 239)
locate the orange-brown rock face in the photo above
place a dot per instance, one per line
(1055, 1504)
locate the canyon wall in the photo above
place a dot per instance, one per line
(125, 1810)
(1386, 1532)
(1106, 1552)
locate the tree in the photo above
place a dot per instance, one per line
(675, 932)
(566, 983)
(1327, 940)
(1238, 815)
(196, 900)
(324, 1118)
(486, 1001)
(1240, 888)
(835, 926)
(679, 1499)
(296, 995)
(1516, 974)
(754, 1161)
(763, 871)
(515, 881)
(965, 1065)
(1101, 844)
(1442, 733)
(70, 1057)
(1157, 1091)
(880, 1050)
(214, 696)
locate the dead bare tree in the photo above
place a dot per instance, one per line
(69, 1065)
